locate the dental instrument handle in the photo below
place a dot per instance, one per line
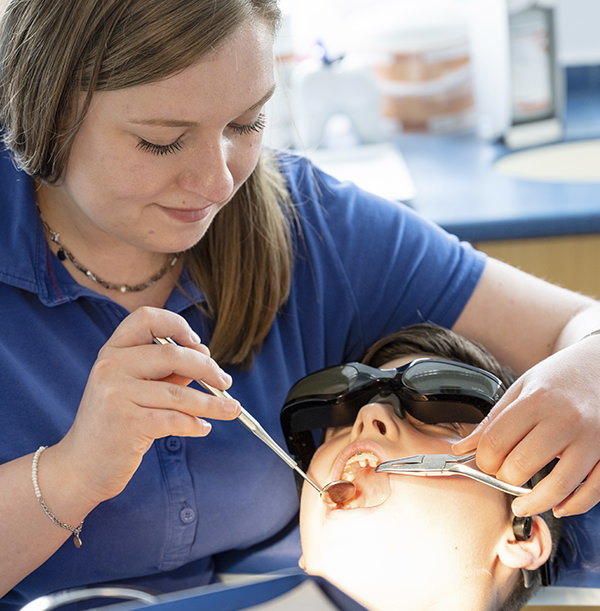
(247, 420)
(484, 478)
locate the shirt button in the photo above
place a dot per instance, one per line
(173, 444)
(187, 515)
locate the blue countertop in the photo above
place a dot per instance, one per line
(458, 187)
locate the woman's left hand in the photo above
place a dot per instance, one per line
(552, 410)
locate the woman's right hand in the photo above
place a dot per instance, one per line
(137, 392)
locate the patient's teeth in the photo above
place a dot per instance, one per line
(364, 460)
(359, 469)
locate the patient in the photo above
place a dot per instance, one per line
(407, 542)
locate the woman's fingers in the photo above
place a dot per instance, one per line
(550, 412)
(187, 358)
(585, 496)
(156, 362)
(161, 395)
(528, 429)
(155, 377)
(498, 436)
(146, 323)
(534, 445)
(500, 440)
(562, 483)
(137, 392)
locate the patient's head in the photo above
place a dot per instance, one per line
(414, 542)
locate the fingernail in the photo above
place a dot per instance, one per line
(225, 377)
(230, 407)
(518, 510)
(464, 441)
(559, 513)
(205, 426)
(196, 338)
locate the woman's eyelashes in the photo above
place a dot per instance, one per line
(160, 149)
(253, 128)
(256, 127)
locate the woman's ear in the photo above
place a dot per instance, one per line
(529, 554)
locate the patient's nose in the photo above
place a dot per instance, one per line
(375, 419)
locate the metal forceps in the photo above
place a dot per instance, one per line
(446, 464)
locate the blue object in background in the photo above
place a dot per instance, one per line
(580, 551)
(281, 591)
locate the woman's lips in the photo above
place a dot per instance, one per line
(188, 215)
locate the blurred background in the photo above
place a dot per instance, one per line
(482, 115)
(356, 72)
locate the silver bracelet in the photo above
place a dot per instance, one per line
(76, 530)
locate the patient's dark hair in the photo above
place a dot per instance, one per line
(433, 340)
(427, 338)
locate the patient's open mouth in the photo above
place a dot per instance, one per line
(371, 488)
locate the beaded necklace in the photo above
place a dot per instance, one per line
(64, 253)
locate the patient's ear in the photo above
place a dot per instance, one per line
(529, 554)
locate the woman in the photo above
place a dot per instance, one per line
(137, 203)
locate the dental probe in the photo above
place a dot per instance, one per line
(247, 420)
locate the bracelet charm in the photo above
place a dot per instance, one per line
(76, 530)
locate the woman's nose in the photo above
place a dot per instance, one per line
(207, 173)
(375, 420)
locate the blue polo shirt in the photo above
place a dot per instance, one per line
(364, 267)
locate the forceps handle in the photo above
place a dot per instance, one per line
(484, 478)
(251, 423)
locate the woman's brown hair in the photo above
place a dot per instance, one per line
(56, 53)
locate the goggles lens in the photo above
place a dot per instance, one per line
(426, 375)
(431, 390)
(333, 381)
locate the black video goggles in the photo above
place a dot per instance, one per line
(429, 389)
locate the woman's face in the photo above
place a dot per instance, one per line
(153, 164)
(406, 542)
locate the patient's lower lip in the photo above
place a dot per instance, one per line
(186, 215)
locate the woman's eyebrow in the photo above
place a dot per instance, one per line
(183, 123)
(264, 99)
(164, 122)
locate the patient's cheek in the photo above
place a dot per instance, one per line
(335, 432)
(325, 455)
